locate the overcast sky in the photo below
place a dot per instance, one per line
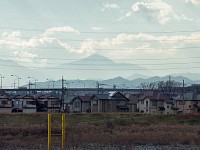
(132, 31)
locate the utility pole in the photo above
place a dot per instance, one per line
(29, 87)
(97, 87)
(62, 95)
(169, 87)
(1, 80)
(183, 94)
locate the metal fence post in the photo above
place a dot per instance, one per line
(49, 131)
(63, 131)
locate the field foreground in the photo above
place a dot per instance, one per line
(108, 131)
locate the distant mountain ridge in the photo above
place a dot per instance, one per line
(94, 67)
(100, 67)
(120, 82)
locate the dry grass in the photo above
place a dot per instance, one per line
(101, 129)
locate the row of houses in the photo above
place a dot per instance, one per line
(29, 104)
(151, 103)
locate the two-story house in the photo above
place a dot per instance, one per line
(111, 102)
(133, 102)
(155, 103)
(80, 104)
(189, 103)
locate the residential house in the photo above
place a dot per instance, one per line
(80, 104)
(29, 104)
(132, 105)
(17, 103)
(155, 103)
(5, 104)
(46, 103)
(189, 103)
(111, 102)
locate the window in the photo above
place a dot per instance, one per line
(181, 102)
(94, 102)
(109, 105)
(77, 104)
(121, 102)
(147, 104)
(142, 102)
(154, 103)
(167, 106)
(4, 102)
(54, 102)
(31, 102)
(189, 106)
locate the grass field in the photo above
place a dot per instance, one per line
(101, 129)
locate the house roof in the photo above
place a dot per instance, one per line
(19, 96)
(112, 93)
(152, 95)
(2, 92)
(133, 98)
(110, 96)
(47, 97)
(85, 98)
(2, 96)
(189, 96)
(82, 98)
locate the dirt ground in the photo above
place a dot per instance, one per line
(101, 131)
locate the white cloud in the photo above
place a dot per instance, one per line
(159, 10)
(86, 47)
(128, 14)
(28, 59)
(195, 2)
(43, 62)
(54, 30)
(96, 28)
(14, 40)
(24, 56)
(143, 43)
(109, 6)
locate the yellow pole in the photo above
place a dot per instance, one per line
(49, 131)
(63, 131)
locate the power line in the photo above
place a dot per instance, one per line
(119, 49)
(118, 64)
(128, 59)
(106, 32)
(130, 41)
(59, 68)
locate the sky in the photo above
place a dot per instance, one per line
(160, 35)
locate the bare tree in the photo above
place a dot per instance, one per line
(165, 87)
(169, 87)
(148, 86)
